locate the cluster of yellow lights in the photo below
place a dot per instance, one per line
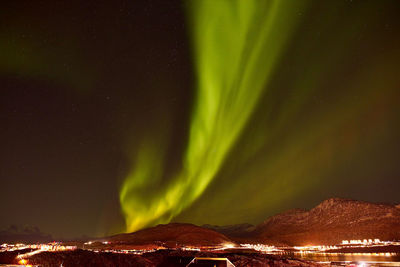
(261, 247)
(365, 241)
(24, 262)
(315, 248)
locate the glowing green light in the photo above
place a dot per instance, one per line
(236, 46)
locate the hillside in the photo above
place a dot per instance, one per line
(23, 234)
(331, 222)
(173, 234)
(233, 231)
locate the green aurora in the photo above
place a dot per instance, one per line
(237, 46)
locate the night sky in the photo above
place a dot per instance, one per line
(119, 115)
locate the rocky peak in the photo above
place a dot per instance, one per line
(333, 220)
(334, 202)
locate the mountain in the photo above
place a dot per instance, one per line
(25, 234)
(173, 234)
(234, 230)
(330, 222)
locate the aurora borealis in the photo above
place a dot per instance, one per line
(135, 113)
(228, 63)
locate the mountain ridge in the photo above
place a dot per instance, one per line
(167, 234)
(332, 221)
(329, 222)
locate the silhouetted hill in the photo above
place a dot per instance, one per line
(232, 231)
(26, 234)
(173, 234)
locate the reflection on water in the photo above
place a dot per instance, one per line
(378, 259)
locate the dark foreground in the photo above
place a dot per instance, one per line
(157, 258)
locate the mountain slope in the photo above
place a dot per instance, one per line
(232, 231)
(331, 222)
(177, 233)
(26, 234)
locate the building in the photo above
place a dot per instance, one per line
(210, 262)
